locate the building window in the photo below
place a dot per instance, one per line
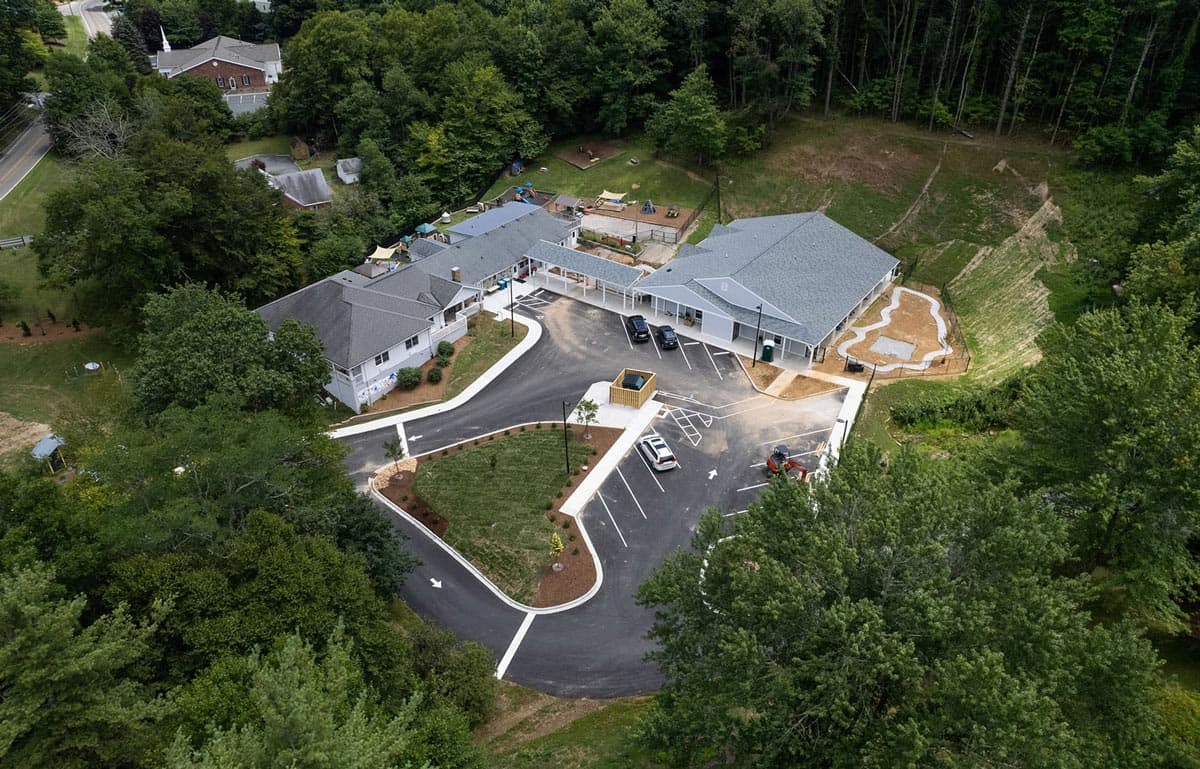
(245, 80)
(220, 82)
(381, 358)
(411, 343)
(341, 370)
(699, 314)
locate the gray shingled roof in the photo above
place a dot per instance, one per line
(227, 48)
(483, 256)
(596, 267)
(811, 268)
(308, 188)
(358, 317)
(423, 247)
(491, 219)
(349, 165)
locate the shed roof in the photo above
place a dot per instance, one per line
(349, 165)
(492, 218)
(613, 273)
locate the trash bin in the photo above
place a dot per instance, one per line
(768, 352)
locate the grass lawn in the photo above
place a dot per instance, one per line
(663, 182)
(490, 340)
(270, 145)
(494, 496)
(77, 40)
(22, 210)
(37, 381)
(18, 266)
(602, 739)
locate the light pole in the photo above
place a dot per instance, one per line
(566, 441)
(845, 423)
(512, 308)
(757, 329)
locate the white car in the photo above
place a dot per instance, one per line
(657, 453)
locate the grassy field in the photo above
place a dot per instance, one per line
(491, 339)
(271, 145)
(662, 182)
(494, 496)
(21, 211)
(540, 732)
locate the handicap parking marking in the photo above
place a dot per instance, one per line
(611, 518)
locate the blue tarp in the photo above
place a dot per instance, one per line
(46, 446)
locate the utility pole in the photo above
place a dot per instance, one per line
(566, 441)
(757, 329)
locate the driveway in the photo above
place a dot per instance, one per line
(721, 431)
(276, 164)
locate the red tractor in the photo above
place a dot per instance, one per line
(781, 461)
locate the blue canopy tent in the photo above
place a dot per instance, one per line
(425, 228)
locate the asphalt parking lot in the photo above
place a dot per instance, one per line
(721, 431)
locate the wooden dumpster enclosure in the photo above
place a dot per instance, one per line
(632, 398)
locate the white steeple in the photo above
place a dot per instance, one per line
(166, 46)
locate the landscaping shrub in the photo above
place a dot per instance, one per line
(25, 329)
(508, 432)
(550, 504)
(566, 524)
(445, 349)
(554, 519)
(559, 495)
(973, 409)
(571, 538)
(538, 425)
(443, 361)
(408, 378)
(569, 482)
(575, 551)
(446, 452)
(522, 428)
(434, 376)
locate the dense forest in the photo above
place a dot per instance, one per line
(213, 591)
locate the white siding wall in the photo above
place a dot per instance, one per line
(715, 324)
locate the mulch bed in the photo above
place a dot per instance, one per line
(601, 150)
(44, 332)
(426, 392)
(578, 572)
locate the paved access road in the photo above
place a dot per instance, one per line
(719, 427)
(91, 12)
(20, 158)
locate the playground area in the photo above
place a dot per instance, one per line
(904, 331)
(587, 154)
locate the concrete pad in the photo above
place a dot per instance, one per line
(896, 348)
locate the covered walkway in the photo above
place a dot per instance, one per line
(561, 269)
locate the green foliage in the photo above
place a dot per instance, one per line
(1104, 146)
(68, 697)
(198, 343)
(435, 375)
(911, 613)
(445, 349)
(1180, 710)
(1109, 417)
(976, 408)
(689, 123)
(408, 378)
(629, 59)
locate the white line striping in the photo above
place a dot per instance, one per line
(685, 357)
(758, 464)
(714, 362)
(689, 344)
(721, 352)
(755, 486)
(635, 499)
(786, 437)
(610, 517)
(511, 652)
(649, 469)
(735, 512)
(628, 338)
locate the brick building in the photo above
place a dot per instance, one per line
(235, 66)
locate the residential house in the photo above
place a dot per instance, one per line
(375, 320)
(303, 189)
(799, 278)
(234, 65)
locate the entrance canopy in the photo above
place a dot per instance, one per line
(605, 271)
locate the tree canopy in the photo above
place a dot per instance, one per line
(906, 615)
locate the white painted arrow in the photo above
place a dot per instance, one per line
(712, 473)
(435, 582)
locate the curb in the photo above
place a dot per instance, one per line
(531, 338)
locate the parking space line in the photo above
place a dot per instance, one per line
(511, 652)
(654, 344)
(714, 362)
(625, 328)
(758, 464)
(755, 486)
(685, 357)
(721, 352)
(621, 475)
(649, 469)
(689, 344)
(610, 517)
(735, 512)
(787, 437)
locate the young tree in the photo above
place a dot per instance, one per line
(907, 615)
(394, 450)
(1109, 417)
(689, 123)
(586, 412)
